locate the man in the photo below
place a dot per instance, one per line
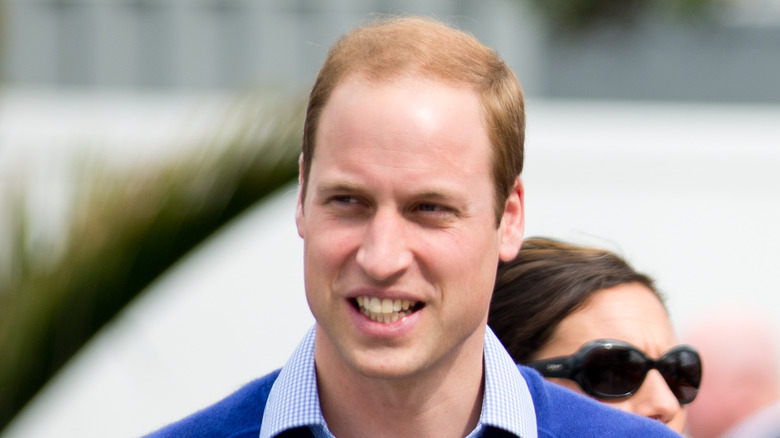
(409, 197)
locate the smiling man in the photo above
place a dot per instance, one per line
(410, 195)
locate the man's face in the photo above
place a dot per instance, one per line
(400, 240)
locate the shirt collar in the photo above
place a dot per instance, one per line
(507, 403)
(294, 401)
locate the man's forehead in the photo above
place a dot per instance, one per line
(377, 78)
(354, 87)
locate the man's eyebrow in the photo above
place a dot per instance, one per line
(431, 194)
(441, 194)
(337, 186)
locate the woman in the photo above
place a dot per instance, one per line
(586, 320)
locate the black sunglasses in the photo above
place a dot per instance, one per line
(610, 369)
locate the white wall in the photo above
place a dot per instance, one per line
(688, 193)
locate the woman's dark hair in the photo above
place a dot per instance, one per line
(545, 283)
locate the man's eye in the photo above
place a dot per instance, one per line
(347, 203)
(430, 207)
(345, 199)
(438, 210)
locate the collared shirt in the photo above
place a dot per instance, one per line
(294, 402)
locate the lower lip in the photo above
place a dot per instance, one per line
(395, 329)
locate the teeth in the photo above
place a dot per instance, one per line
(386, 310)
(387, 306)
(375, 305)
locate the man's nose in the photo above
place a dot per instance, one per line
(384, 251)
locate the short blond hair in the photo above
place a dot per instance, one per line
(388, 48)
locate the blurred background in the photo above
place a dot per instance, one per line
(149, 263)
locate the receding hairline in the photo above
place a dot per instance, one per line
(417, 44)
(387, 47)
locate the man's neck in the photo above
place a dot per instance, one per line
(443, 401)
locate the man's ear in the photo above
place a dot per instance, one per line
(512, 223)
(299, 206)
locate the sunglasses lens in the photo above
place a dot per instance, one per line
(613, 372)
(682, 371)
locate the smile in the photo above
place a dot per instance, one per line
(385, 310)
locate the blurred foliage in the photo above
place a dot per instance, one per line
(568, 17)
(127, 228)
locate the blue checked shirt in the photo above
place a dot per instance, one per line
(294, 402)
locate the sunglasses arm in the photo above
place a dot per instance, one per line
(558, 367)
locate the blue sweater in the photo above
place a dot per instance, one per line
(560, 413)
